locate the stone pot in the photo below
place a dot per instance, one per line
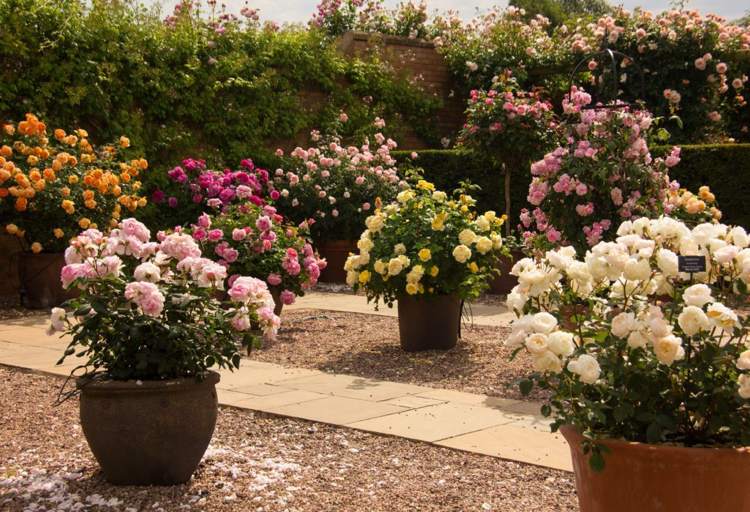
(149, 432)
(430, 323)
(41, 287)
(648, 477)
(502, 284)
(335, 252)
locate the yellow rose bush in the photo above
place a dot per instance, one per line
(425, 244)
(55, 185)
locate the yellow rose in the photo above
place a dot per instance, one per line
(399, 249)
(84, 222)
(395, 266)
(439, 196)
(36, 247)
(124, 142)
(412, 288)
(461, 253)
(58, 233)
(438, 223)
(467, 237)
(404, 196)
(425, 254)
(425, 185)
(381, 267)
(434, 271)
(12, 229)
(352, 277)
(364, 277)
(484, 245)
(473, 267)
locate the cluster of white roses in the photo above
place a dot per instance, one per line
(633, 289)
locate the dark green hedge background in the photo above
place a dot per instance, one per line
(723, 167)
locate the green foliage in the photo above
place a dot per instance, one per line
(185, 87)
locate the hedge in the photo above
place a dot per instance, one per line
(723, 167)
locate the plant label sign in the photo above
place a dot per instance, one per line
(691, 264)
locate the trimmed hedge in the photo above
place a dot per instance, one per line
(723, 167)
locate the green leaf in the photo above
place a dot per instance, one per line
(596, 460)
(526, 385)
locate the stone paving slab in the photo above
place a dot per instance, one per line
(498, 427)
(480, 314)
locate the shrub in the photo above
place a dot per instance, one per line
(51, 188)
(147, 310)
(426, 244)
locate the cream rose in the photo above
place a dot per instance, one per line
(668, 349)
(547, 362)
(462, 253)
(743, 362)
(722, 316)
(697, 295)
(623, 324)
(561, 343)
(586, 367)
(537, 343)
(693, 320)
(744, 383)
(467, 237)
(395, 266)
(484, 245)
(543, 322)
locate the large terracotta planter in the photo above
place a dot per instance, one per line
(430, 323)
(502, 284)
(150, 432)
(335, 252)
(41, 287)
(641, 477)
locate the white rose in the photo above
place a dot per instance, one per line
(462, 253)
(623, 324)
(395, 267)
(586, 367)
(544, 322)
(561, 343)
(147, 272)
(547, 362)
(515, 301)
(484, 245)
(693, 320)
(467, 237)
(637, 340)
(722, 316)
(739, 237)
(536, 343)
(744, 383)
(743, 362)
(726, 254)
(667, 262)
(57, 320)
(697, 295)
(668, 349)
(439, 196)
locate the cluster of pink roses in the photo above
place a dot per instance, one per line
(604, 173)
(146, 271)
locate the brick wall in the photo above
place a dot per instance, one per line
(419, 61)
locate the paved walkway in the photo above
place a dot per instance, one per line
(493, 426)
(480, 314)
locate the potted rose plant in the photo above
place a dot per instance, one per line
(646, 365)
(255, 241)
(430, 253)
(335, 187)
(53, 187)
(149, 325)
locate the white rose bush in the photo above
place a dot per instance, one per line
(148, 309)
(425, 244)
(628, 347)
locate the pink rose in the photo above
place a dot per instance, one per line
(274, 279)
(288, 297)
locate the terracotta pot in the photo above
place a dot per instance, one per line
(646, 477)
(149, 433)
(335, 252)
(502, 284)
(41, 287)
(430, 323)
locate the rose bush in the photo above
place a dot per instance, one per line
(147, 309)
(426, 244)
(336, 186)
(254, 240)
(631, 348)
(603, 174)
(52, 188)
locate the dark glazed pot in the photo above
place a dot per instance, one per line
(639, 477)
(502, 284)
(277, 304)
(152, 433)
(335, 253)
(429, 323)
(40, 280)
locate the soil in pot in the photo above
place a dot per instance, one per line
(335, 253)
(430, 323)
(41, 287)
(640, 477)
(149, 432)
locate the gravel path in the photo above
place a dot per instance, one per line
(368, 346)
(258, 462)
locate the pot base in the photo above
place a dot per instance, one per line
(429, 324)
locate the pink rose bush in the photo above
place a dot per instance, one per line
(254, 240)
(602, 174)
(628, 346)
(194, 188)
(148, 309)
(334, 186)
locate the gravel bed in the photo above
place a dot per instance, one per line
(368, 346)
(258, 462)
